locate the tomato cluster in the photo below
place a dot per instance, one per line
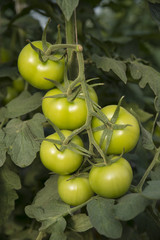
(111, 179)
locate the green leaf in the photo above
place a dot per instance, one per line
(147, 75)
(80, 223)
(23, 104)
(67, 7)
(147, 140)
(155, 173)
(154, 6)
(129, 206)
(47, 207)
(152, 191)
(3, 113)
(101, 213)
(57, 230)
(3, 148)
(10, 72)
(107, 64)
(9, 182)
(30, 234)
(22, 139)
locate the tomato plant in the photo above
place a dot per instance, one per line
(61, 162)
(122, 139)
(67, 114)
(74, 190)
(47, 183)
(34, 71)
(113, 180)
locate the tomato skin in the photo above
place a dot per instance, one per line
(34, 71)
(65, 114)
(74, 191)
(65, 162)
(122, 140)
(18, 84)
(111, 181)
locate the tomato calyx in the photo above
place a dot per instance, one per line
(108, 125)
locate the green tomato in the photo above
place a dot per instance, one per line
(122, 140)
(65, 114)
(10, 94)
(33, 70)
(74, 191)
(65, 162)
(18, 84)
(111, 181)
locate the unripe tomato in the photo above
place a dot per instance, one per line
(10, 94)
(18, 84)
(65, 162)
(74, 191)
(65, 114)
(122, 140)
(111, 181)
(33, 70)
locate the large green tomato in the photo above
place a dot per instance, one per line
(33, 70)
(65, 162)
(111, 181)
(74, 191)
(65, 114)
(122, 140)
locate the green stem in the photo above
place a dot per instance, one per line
(154, 123)
(70, 39)
(74, 209)
(55, 47)
(147, 172)
(70, 33)
(40, 236)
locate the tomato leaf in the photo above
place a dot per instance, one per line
(101, 213)
(147, 140)
(67, 7)
(47, 207)
(147, 75)
(10, 72)
(129, 206)
(152, 191)
(155, 173)
(3, 113)
(79, 222)
(57, 230)
(9, 182)
(107, 64)
(21, 139)
(3, 148)
(23, 104)
(154, 7)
